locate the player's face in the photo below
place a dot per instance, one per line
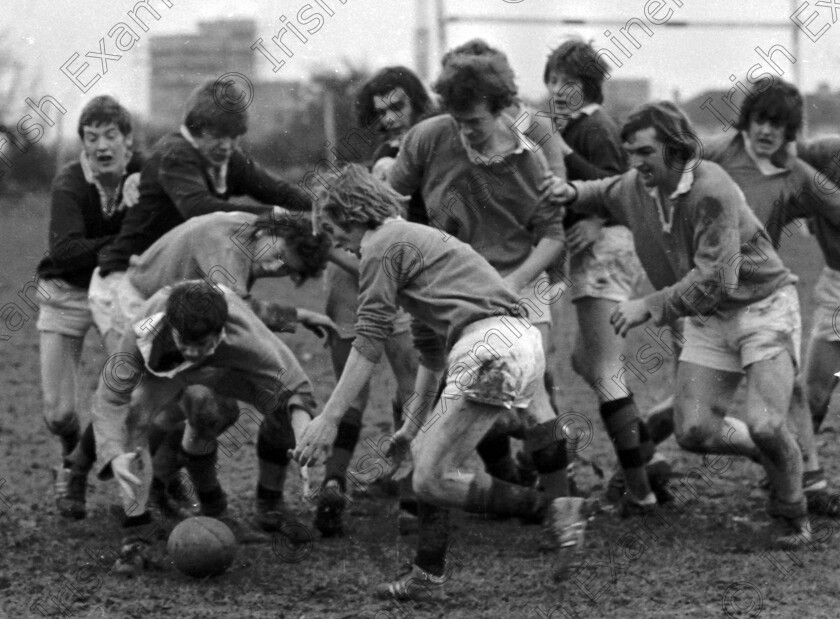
(477, 124)
(349, 239)
(196, 352)
(565, 96)
(215, 147)
(766, 137)
(106, 148)
(394, 112)
(647, 155)
(280, 261)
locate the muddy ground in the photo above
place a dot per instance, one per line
(706, 556)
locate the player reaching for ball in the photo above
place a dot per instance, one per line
(478, 351)
(392, 100)
(195, 333)
(231, 249)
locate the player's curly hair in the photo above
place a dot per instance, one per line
(672, 127)
(313, 248)
(475, 73)
(196, 309)
(384, 81)
(355, 196)
(104, 109)
(780, 104)
(203, 113)
(577, 59)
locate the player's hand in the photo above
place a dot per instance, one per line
(128, 481)
(130, 191)
(399, 449)
(319, 324)
(629, 314)
(382, 167)
(556, 192)
(317, 440)
(582, 235)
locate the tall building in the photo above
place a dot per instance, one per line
(179, 62)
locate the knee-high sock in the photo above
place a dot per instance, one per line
(349, 429)
(168, 458)
(631, 441)
(202, 470)
(550, 457)
(432, 538)
(490, 495)
(494, 450)
(84, 454)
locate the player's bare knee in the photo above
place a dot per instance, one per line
(692, 437)
(766, 430)
(61, 420)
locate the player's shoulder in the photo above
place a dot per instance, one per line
(70, 174)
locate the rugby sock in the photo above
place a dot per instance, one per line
(84, 454)
(268, 496)
(489, 495)
(405, 491)
(137, 521)
(343, 447)
(202, 470)
(156, 437)
(168, 458)
(67, 431)
(494, 450)
(550, 457)
(631, 441)
(432, 538)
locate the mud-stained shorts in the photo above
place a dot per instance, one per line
(104, 302)
(732, 340)
(497, 361)
(826, 325)
(64, 308)
(609, 269)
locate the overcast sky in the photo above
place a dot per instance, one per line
(46, 33)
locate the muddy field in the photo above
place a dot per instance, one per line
(706, 556)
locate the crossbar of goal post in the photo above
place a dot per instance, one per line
(444, 19)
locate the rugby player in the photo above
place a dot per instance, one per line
(194, 333)
(89, 200)
(739, 300)
(476, 343)
(603, 266)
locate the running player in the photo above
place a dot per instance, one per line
(89, 200)
(739, 299)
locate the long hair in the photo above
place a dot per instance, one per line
(384, 81)
(355, 196)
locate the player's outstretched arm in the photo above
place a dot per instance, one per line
(320, 434)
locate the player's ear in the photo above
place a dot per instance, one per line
(129, 141)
